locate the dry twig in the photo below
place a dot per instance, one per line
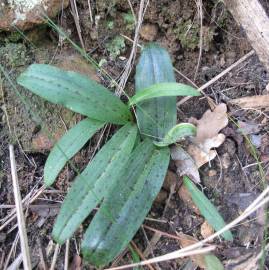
(216, 78)
(19, 212)
(55, 255)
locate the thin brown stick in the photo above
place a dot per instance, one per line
(42, 255)
(15, 242)
(196, 248)
(90, 10)
(19, 212)
(216, 78)
(130, 62)
(162, 233)
(27, 200)
(132, 10)
(199, 4)
(16, 263)
(76, 19)
(141, 254)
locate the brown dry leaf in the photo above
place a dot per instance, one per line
(186, 240)
(76, 263)
(206, 230)
(185, 196)
(199, 151)
(211, 123)
(185, 164)
(202, 152)
(255, 102)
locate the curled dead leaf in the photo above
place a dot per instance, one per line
(211, 123)
(202, 153)
(185, 164)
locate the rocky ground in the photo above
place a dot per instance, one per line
(231, 181)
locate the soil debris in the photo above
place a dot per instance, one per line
(252, 102)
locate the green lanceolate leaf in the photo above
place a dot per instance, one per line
(163, 90)
(68, 146)
(213, 263)
(90, 187)
(129, 201)
(177, 133)
(76, 92)
(155, 117)
(207, 209)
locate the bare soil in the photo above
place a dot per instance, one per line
(230, 181)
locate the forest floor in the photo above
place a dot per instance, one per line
(106, 30)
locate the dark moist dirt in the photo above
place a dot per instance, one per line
(174, 24)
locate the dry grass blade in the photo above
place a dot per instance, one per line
(15, 265)
(19, 211)
(55, 255)
(216, 78)
(165, 258)
(76, 19)
(140, 254)
(196, 248)
(130, 62)
(30, 198)
(66, 257)
(12, 249)
(199, 4)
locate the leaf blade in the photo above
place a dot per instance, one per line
(206, 208)
(155, 117)
(177, 133)
(165, 89)
(213, 262)
(91, 186)
(144, 175)
(76, 92)
(68, 146)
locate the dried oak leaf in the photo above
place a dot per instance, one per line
(199, 151)
(185, 164)
(211, 123)
(202, 153)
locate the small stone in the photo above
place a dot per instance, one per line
(212, 173)
(149, 31)
(25, 14)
